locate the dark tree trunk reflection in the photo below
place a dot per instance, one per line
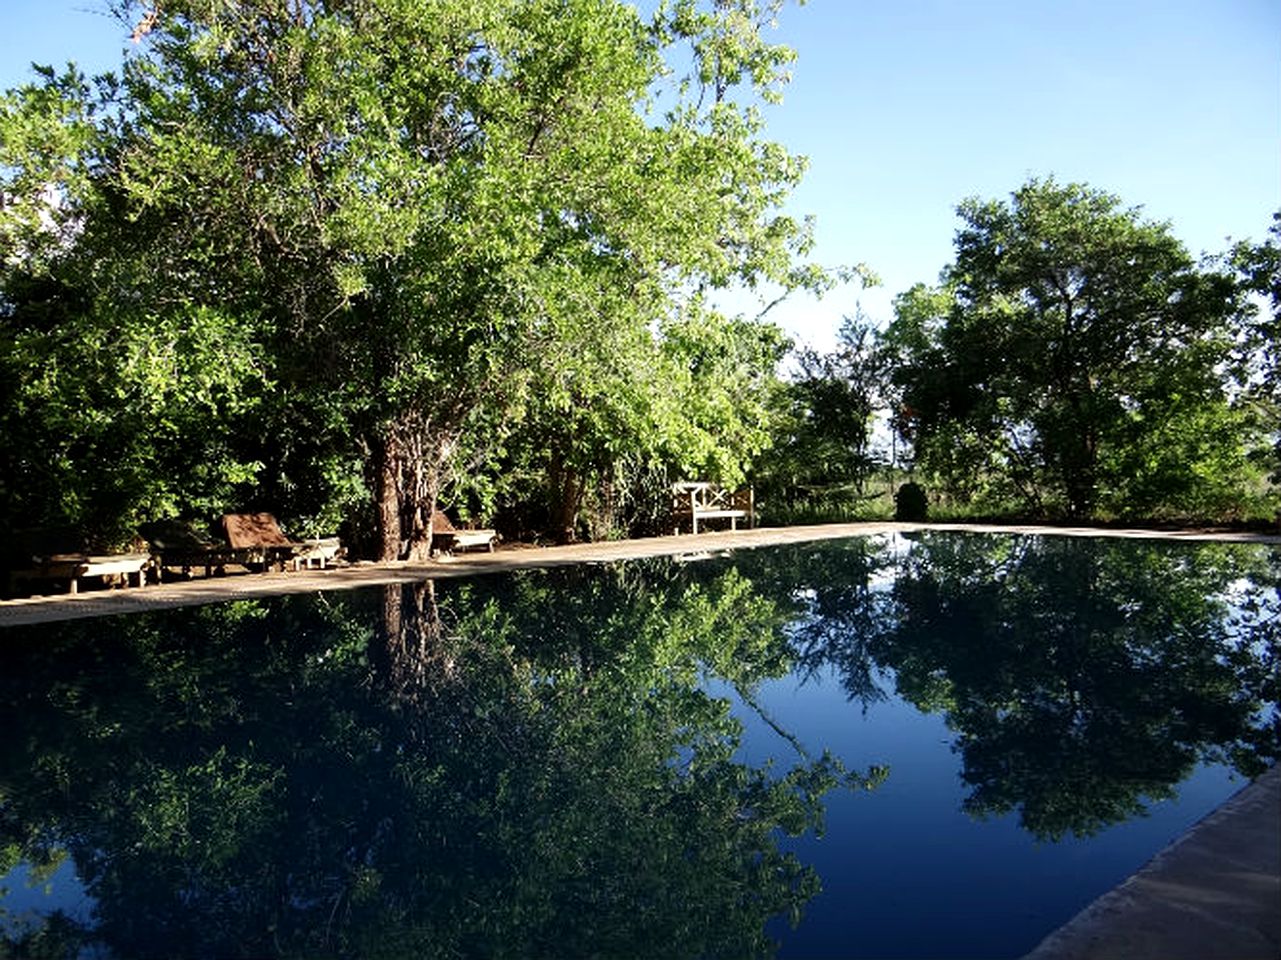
(411, 654)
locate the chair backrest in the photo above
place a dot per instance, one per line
(253, 530)
(440, 523)
(688, 496)
(176, 535)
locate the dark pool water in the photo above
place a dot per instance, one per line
(937, 746)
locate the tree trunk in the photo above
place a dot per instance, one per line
(387, 497)
(409, 654)
(1079, 467)
(423, 504)
(421, 490)
(569, 488)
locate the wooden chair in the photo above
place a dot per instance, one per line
(261, 532)
(695, 501)
(448, 538)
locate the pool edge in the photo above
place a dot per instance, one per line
(1214, 892)
(102, 603)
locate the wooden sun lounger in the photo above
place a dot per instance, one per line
(72, 567)
(261, 532)
(180, 545)
(447, 538)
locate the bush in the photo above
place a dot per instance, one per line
(910, 504)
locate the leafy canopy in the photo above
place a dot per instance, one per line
(1075, 360)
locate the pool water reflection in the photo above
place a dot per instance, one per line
(937, 746)
(907, 873)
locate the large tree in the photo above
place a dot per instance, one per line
(1260, 271)
(1076, 357)
(411, 207)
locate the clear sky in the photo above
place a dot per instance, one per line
(904, 107)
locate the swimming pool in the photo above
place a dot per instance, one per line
(935, 745)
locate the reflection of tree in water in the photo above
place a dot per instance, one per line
(512, 768)
(839, 601)
(528, 766)
(1082, 678)
(410, 652)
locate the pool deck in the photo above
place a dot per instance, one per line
(202, 590)
(1215, 892)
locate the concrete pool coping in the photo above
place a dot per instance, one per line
(1214, 892)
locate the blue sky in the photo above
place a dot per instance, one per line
(904, 107)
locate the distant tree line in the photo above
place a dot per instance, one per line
(346, 262)
(1074, 362)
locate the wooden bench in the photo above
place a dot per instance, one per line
(73, 566)
(695, 502)
(321, 551)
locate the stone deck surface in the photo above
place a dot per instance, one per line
(1214, 893)
(102, 603)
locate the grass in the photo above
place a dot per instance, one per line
(1258, 513)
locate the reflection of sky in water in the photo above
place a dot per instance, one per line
(906, 873)
(24, 897)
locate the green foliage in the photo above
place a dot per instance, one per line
(689, 399)
(822, 453)
(118, 406)
(423, 229)
(1076, 360)
(110, 421)
(721, 371)
(1259, 268)
(48, 148)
